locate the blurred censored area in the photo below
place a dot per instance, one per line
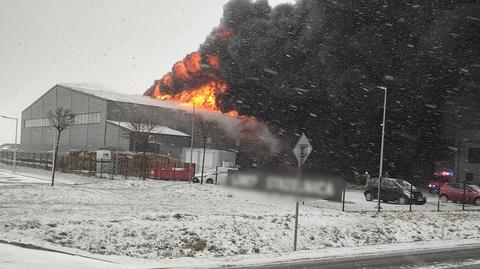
(299, 184)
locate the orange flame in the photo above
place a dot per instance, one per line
(167, 81)
(189, 70)
(233, 113)
(212, 60)
(193, 62)
(180, 70)
(226, 33)
(204, 96)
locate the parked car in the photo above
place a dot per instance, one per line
(209, 175)
(393, 190)
(454, 192)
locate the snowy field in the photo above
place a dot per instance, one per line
(162, 220)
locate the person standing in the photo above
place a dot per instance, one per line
(367, 177)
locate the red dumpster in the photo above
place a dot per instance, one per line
(175, 172)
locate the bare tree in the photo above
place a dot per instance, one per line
(141, 130)
(205, 128)
(59, 119)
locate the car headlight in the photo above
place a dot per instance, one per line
(407, 193)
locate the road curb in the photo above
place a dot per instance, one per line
(34, 247)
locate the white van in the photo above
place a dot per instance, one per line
(209, 175)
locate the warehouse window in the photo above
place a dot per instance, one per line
(474, 155)
(94, 118)
(468, 177)
(81, 119)
(88, 118)
(36, 123)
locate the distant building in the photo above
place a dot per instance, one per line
(467, 156)
(104, 121)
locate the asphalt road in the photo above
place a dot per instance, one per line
(461, 257)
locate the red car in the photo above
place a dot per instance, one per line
(454, 192)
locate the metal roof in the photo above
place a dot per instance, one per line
(125, 98)
(157, 129)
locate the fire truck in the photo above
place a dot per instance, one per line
(439, 179)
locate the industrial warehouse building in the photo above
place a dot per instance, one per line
(103, 120)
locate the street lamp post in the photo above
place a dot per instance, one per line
(16, 145)
(118, 143)
(382, 143)
(53, 151)
(119, 115)
(191, 145)
(118, 147)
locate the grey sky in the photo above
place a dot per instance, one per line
(117, 44)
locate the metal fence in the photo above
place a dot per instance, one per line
(29, 159)
(87, 165)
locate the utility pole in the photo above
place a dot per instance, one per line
(54, 156)
(382, 144)
(203, 158)
(16, 146)
(118, 143)
(457, 172)
(16, 142)
(191, 146)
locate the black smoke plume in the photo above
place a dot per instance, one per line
(320, 67)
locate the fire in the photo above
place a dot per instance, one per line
(193, 63)
(180, 69)
(187, 68)
(212, 60)
(226, 33)
(167, 81)
(192, 83)
(204, 96)
(233, 113)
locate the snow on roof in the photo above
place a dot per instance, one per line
(111, 95)
(125, 98)
(7, 146)
(163, 130)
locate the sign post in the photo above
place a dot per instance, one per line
(301, 151)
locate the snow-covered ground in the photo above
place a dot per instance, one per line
(14, 257)
(163, 220)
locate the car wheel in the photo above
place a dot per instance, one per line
(402, 200)
(477, 202)
(369, 196)
(195, 180)
(443, 198)
(209, 181)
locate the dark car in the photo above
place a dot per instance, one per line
(393, 190)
